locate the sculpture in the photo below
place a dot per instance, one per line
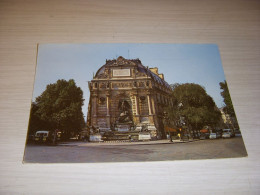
(124, 116)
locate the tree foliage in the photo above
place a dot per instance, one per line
(173, 86)
(229, 109)
(58, 107)
(193, 103)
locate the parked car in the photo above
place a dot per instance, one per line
(227, 133)
(205, 133)
(219, 135)
(213, 136)
(196, 136)
(42, 137)
(237, 133)
(202, 136)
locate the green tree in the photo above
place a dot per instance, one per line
(35, 122)
(229, 109)
(59, 107)
(193, 103)
(173, 86)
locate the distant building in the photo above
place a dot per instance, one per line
(127, 96)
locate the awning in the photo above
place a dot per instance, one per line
(204, 130)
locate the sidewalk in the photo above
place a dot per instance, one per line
(123, 142)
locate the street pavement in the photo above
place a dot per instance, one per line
(122, 143)
(161, 150)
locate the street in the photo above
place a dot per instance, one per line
(80, 152)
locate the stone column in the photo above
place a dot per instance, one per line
(152, 98)
(94, 109)
(151, 115)
(94, 105)
(137, 116)
(149, 104)
(108, 110)
(136, 105)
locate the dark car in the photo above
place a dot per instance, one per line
(207, 135)
(237, 133)
(196, 136)
(219, 135)
(203, 136)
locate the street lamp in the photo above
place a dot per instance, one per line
(166, 121)
(56, 130)
(180, 105)
(181, 122)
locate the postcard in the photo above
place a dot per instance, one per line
(130, 103)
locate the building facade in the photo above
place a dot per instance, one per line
(127, 96)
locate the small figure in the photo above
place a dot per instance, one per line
(130, 138)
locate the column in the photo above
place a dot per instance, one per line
(153, 104)
(94, 104)
(108, 110)
(94, 109)
(151, 126)
(136, 105)
(149, 104)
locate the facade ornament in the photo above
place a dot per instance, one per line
(102, 100)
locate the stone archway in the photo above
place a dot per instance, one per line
(125, 110)
(124, 114)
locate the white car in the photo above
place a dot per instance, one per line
(42, 136)
(227, 133)
(213, 136)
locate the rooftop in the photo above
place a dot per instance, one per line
(120, 61)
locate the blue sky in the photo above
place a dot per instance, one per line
(180, 63)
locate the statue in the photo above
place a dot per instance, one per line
(124, 116)
(93, 130)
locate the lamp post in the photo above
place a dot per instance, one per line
(55, 131)
(180, 118)
(166, 121)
